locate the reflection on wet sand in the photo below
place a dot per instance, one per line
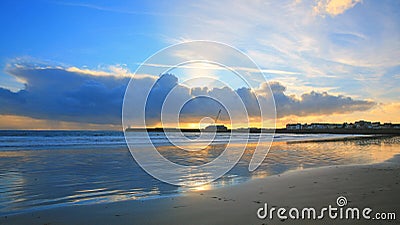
(48, 178)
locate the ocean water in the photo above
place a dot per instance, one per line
(42, 140)
(46, 169)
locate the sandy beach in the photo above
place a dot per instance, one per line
(200, 112)
(376, 186)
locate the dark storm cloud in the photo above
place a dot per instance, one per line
(57, 94)
(315, 103)
(76, 96)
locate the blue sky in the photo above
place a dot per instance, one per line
(78, 33)
(343, 48)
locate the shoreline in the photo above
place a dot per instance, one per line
(373, 185)
(380, 131)
(344, 138)
(123, 144)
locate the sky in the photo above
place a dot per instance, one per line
(67, 64)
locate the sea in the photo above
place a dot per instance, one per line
(48, 169)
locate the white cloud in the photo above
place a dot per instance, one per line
(334, 7)
(357, 43)
(210, 66)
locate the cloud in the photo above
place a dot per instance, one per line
(114, 9)
(315, 103)
(334, 7)
(64, 95)
(60, 94)
(210, 66)
(342, 54)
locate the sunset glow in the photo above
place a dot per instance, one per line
(337, 63)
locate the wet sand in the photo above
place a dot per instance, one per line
(376, 186)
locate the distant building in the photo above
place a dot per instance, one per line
(376, 125)
(296, 126)
(324, 126)
(216, 128)
(387, 125)
(361, 124)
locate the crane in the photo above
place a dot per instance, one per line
(215, 127)
(219, 113)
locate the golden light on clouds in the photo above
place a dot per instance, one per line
(334, 7)
(382, 113)
(332, 65)
(9, 122)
